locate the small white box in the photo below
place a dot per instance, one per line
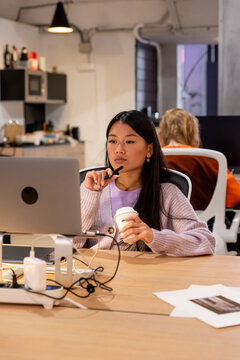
(34, 273)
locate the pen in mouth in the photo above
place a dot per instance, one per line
(115, 172)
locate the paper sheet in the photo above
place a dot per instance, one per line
(216, 305)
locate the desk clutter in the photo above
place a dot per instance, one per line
(116, 321)
(217, 305)
(36, 289)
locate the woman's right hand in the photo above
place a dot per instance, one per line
(95, 181)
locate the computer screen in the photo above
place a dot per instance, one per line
(222, 133)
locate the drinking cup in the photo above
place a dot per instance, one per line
(120, 216)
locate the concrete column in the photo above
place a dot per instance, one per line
(229, 58)
(169, 76)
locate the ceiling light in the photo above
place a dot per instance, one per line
(60, 23)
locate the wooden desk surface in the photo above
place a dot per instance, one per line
(141, 274)
(131, 322)
(31, 333)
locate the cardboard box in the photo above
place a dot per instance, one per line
(11, 131)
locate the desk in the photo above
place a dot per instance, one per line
(54, 150)
(130, 323)
(237, 176)
(141, 274)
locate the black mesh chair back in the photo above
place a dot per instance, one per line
(182, 180)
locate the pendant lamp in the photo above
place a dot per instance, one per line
(60, 23)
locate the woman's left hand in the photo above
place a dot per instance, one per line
(138, 228)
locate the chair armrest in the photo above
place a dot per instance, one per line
(230, 235)
(237, 207)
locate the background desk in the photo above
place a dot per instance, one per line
(237, 176)
(55, 150)
(131, 322)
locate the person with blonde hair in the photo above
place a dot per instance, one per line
(179, 128)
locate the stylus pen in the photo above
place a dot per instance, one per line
(115, 172)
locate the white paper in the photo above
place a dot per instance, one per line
(178, 312)
(223, 299)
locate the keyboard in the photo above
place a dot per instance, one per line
(16, 254)
(19, 269)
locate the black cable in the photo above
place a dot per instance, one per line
(102, 285)
(90, 287)
(83, 262)
(100, 267)
(46, 295)
(14, 283)
(68, 289)
(118, 260)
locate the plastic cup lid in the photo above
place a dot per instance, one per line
(126, 209)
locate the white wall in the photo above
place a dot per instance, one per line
(97, 93)
(94, 96)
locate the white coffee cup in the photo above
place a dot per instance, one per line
(122, 214)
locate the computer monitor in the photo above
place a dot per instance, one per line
(40, 196)
(222, 133)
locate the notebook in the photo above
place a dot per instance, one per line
(16, 253)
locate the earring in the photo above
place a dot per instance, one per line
(148, 159)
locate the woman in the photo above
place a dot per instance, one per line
(166, 223)
(179, 128)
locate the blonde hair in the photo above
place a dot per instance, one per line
(180, 126)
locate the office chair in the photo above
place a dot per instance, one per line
(182, 180)
(207, 170)
(84, 171)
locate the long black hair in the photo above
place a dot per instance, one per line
(149, 204)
